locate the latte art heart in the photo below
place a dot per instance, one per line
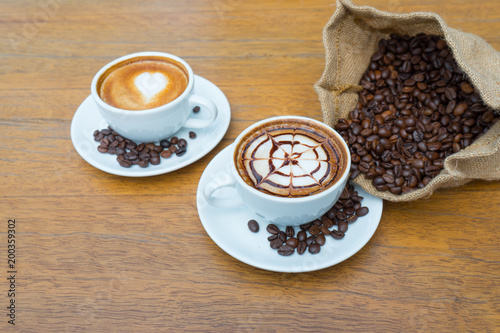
(290, 161)
(150, 84)
(143, 83)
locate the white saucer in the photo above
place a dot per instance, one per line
(87, 119)
(228, 229)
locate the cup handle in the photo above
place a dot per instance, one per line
(205, 103)
(223, 181)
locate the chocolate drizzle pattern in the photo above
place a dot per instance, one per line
(290, 160)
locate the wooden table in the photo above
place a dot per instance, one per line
(102, 253)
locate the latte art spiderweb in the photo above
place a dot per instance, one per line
(290, 162)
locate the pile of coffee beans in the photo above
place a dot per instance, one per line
(416, 108)
(313, 235)
(129, 153)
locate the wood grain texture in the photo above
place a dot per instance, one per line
(102, 253)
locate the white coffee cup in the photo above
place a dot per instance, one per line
(155, 124)
(271, 208)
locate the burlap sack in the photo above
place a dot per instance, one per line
(350, 39)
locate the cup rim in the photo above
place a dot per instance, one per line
(313, 197)
(110, 108)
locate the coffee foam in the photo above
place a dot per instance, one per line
(143, 83)
(290, 158)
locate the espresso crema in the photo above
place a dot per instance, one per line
(143, 83)
(290, 158)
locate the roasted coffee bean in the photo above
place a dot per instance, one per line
(286, 250)
(282, 236)
(272, 237)
(362, 211)
(290, 231)
(125, 163)
(337, 234)
(102, 149)
(154, 160)
(174, 140)
(293, 242)
(272, 229)
(182, 143)
(314, 248)
(253, 226)
(276, 243)
(314, 230)
(343, 226)
(196, 109)
(301, 236)
(320, 239)
(166, 153)
(181, 151)
(301, 248)
(143, 163)
(310, 240)
(192, 135)
(165, 143)
(327, 222)
(324, 230)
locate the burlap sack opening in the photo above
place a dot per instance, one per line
(351, 37)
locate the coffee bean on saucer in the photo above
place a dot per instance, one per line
(143, 163)
(165, 143)
(286, 250)
(196, 109)
(272, 237)
(125, 163)
(314, 248)
(166, 153)
(253, 226)
(290, 231)
(276, 243)
(272, 229)
(301, 248)
(320, 239)
(182, 143)
(293, 242)
(342, 226)
(192, 135)
(181, 151)
(174, 140)
(154, 160)
(337, 234)
(362, 211)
